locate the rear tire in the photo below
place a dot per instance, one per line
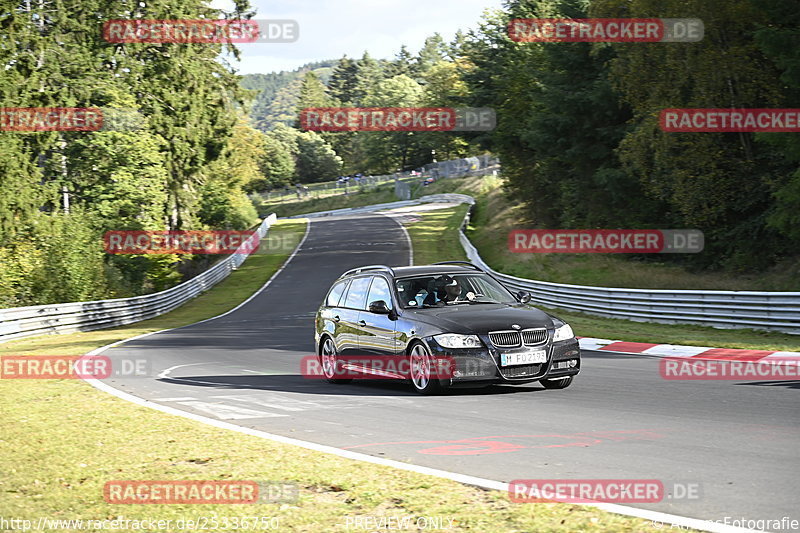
(330, 362)
(421, 365)
(557, 383)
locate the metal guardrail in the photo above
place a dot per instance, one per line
(465, 167)
(776, 311)
(18, 322)
(429, 198)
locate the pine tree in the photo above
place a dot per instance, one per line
(368, 75)
(433, 51)
(343, 81)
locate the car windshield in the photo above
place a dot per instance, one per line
(450, 289)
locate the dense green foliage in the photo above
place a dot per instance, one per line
(578, 130)
(164, 160)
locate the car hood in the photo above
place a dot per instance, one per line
(482, 318)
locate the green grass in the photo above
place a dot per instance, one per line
(62, 440)
(435, 238)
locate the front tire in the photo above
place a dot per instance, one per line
(330, 363)
(557, 383)
(421, 365)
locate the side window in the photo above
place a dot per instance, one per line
(379, 291)
(336, 294)
(357, 294)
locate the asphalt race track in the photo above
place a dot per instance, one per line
(734, 441)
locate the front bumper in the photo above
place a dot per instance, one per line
(482, 365)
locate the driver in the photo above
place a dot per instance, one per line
(452, 290)
(442, 290)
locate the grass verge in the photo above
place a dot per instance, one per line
(355, 198)
(62, 440)
(435, 238)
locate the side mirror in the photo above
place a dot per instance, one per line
(523, 297)
(379, 307)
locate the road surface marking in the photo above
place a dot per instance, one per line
(227, 412)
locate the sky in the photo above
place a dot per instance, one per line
(332, 28)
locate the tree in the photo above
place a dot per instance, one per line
(313, 93)
(559, 121)
(277, 165)
(223, 202)
(688, 170)
(283, 109)
(343, 81)
(402, 65)
(433, 51)
(368, 75)
(316, 160)
(120, 177)
(779, 40)
(19, 173)
(387, 151)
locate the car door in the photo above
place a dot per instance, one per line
(329, 315)
(354, 302)
(377, 331)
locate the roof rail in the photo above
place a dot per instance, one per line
(467, 263)
(368, 267)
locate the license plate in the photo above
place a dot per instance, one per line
(523, 358)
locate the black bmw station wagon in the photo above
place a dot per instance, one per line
(412, 318)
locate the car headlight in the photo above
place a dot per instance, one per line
(563, 333)
(453, 340)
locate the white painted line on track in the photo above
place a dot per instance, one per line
(228, 412)
(272, 402)
(408, 238)
(164, 374)
(676, 351)
(666, 520)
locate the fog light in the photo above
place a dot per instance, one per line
(572, 363)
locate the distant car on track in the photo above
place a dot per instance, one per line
(413, 318)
